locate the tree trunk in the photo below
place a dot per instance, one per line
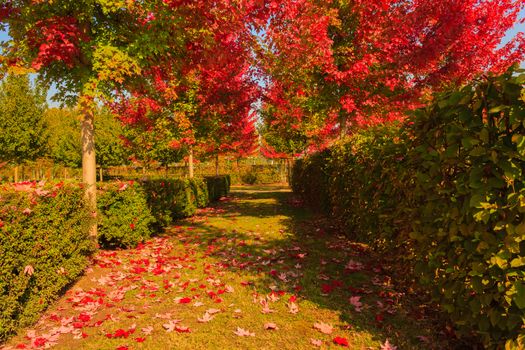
(190, 163)
(100, 174)
(89, 167)
(343, 127)
(217, 165)
(15, 176)
(288, 170)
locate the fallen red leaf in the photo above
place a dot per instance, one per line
(341, 341)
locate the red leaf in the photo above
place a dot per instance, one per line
(341, 341)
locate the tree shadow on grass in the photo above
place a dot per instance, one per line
(308, 258)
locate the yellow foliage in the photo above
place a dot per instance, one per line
(113, 65)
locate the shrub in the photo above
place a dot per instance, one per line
(200, 190)
(448, 189)
(469, 148)
(218, 186)
(310, 180)
(124, 216)
(44, 245)
(249, 178)
(170, 199)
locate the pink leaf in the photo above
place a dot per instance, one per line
(388, 346)
(316, 342)
(29, 270)
(270, 326)
(324, 327)
(243, 333)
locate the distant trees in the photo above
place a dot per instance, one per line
(23, 129)
(65, 144)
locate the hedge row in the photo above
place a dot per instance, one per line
(446, 192)
(44, 242)
(44, 247)
(218, 186)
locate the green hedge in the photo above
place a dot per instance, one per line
(170, 199)
(125, 218)
(218, 186)
(44, 247)
(200, 190)
(446, 192)
(45, 228)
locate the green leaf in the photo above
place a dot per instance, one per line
(519, 297)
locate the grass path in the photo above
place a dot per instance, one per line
(215, 281)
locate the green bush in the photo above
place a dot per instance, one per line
(446, 192)
(124, 218)
(249, 178)
(218, 186)
(259, 174)
(310, 180)
(200, 190)
(44, 247)
(170, 199)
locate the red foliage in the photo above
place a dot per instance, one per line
(57, 39)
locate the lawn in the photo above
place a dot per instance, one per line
(255, 271)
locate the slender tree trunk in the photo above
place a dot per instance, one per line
(288, 169)
(217, 165)
(89, 166)
(100, 174)
(15, 176)
(190, 163)
(342, 125)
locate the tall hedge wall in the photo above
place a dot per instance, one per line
(44, 246)
(446, 191)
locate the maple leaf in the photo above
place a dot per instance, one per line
(265, 307)
(356, 303)
(185, 300)
(324, 327)
(270, 326)
(170, 326)
(293, 308)
(243, 333)
(165, 316)
(316, 342)
(206, 318)
(388, 346)
(182, 329)
(341, 341)
(29, 270)
(147, 330)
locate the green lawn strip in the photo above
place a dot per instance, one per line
(253, 243)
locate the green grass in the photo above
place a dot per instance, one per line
(237, 244)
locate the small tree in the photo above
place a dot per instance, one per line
(64, 142)
(22, 124)
(109, 148)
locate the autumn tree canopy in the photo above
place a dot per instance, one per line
(333, 65)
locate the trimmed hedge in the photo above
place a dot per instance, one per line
(124, 218)
(446, 192)
(44, 245)
(218, 186)
(170, 199)
(44, 241)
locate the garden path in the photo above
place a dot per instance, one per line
(254, 271)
